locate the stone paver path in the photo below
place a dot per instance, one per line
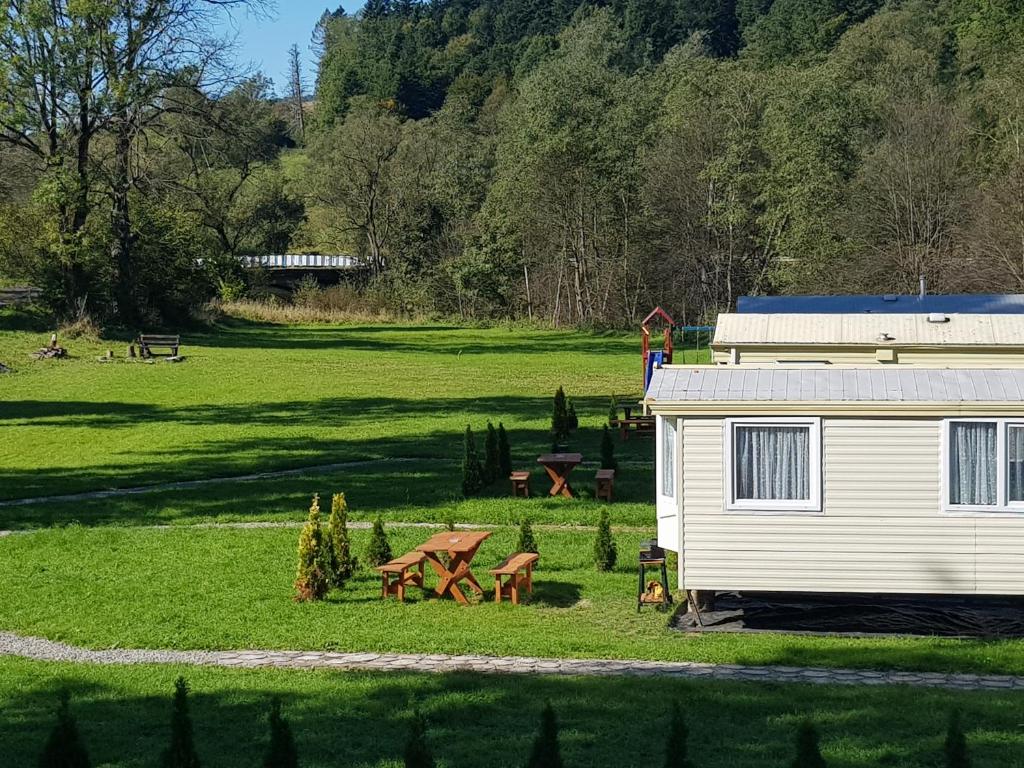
(47, 650)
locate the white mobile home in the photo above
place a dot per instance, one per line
(895, 479)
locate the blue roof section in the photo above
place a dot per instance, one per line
(962, 303)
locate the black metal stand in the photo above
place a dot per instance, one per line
(641, 587)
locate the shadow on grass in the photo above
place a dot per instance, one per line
(554, 594)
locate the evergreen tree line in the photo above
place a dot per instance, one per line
(65, 748)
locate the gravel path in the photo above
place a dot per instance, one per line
(47, 650)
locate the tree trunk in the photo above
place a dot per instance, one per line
(121, 223)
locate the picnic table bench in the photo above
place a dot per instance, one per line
(559, 466)
(641, 425)
(605, 480)
(520, 483)
(149, 340)
(460, 548)
(407, 571)
(518, 569)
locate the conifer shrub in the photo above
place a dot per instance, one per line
(281, 751)
(417, 751)
(449, 520)
(491, 465)
(527, 543)
(572, 421)
(605, 551)
(559, 418)
(955, 747)
(64, 747)
(613, 411)
(808, 755)
(608, 460)
(181, 752)
(472, 471)
(312, 578)
(379, 550)
(504, 452)
(675, 744)
(339, 547)
(546, 752)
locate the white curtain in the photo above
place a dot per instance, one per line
(668, 457)
(973, 458)
(1015, 462)
(773, 462)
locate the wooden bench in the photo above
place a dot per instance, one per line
(641, 425)
(147, 341)
(605, 481)
(407, 571)
(518, 569)
(520, 483)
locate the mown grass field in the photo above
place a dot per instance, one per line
(361, 720)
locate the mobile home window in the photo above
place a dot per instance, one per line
(984, 465)
(774, 464)
(668, 457)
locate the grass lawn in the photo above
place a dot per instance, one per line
(361, 720)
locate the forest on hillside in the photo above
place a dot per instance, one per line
(567, 162)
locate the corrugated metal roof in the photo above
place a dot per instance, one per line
(735, 329)
(978, 303)
(735, 383)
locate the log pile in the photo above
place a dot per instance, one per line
(52, 351)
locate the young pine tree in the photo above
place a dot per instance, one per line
(491, 465)
(339, 546)
(807, 753)
(281, 752)
(504, 452)
(546, 753)
(605, 551)
(312, 575)
(675, 745)
(417, 751)
(64, 748)
(608, 450)
(572, 421)
(559, 418)
(379, 550)
(956, 744)
(613, 411)
(181, 753)
(472, 472)
(526, 541)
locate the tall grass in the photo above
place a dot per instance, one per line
(271, 312)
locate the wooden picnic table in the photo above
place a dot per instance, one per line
(461, 547)
(559, 466)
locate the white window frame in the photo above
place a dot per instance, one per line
(1003, 503)
(668, 423)
(777, 506)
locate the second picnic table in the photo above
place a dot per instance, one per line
(558, 466)
(461, 547)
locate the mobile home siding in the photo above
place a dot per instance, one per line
(881, 528)
(947, 357)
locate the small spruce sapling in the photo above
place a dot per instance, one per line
(504, 452)
(417, 751)
(955, 746)
(491, 467)
(281, 751)
(605, 551)
(64, 748)
(379, 550)
(472, 472)
(608, 460)
(312, 578)
(613, 411)
(181, 753)
(675, 744)
(546, 752)
(807, 753)
(559, 418)
(339, 546)
(572, 421)
(527, 543)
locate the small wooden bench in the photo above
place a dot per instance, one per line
(147, 341)
(407, 571)
(520, 483)
(518, 569)
(605, 482)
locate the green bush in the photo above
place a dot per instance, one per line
(417, 751)
(559, 418)
(955, 746)
(608, 460)
(64, 748)
(546, 753)
(181, 753)
(675, 744)
(504, 452)
(605, 551)
(472, 472)
(339, 548)
(379, 550)
(281, 751)
(527, 543)
(312, 576)
(613, 411)
(571, 419)
(807, 753)
(491, 464)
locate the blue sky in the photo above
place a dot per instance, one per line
(263, 43)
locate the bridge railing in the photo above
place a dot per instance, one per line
(301, 261)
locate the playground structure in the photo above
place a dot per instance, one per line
(655, 358)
